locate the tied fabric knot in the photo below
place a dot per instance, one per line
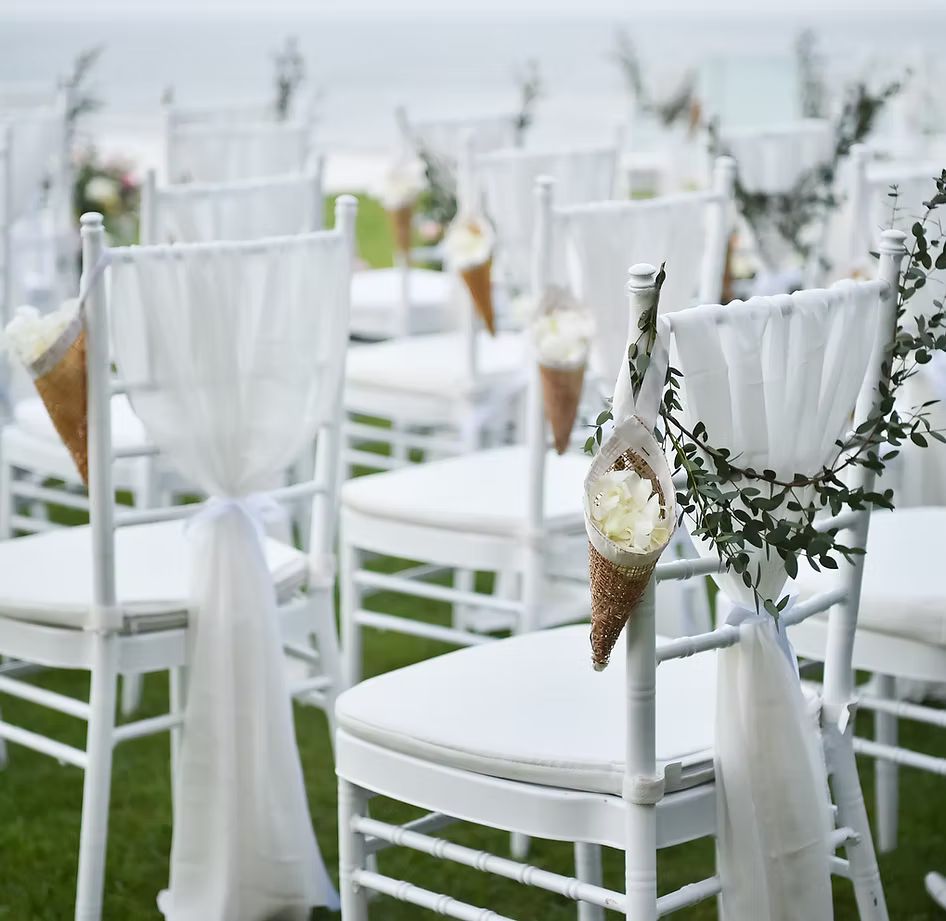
(259, 508)
(740, 615)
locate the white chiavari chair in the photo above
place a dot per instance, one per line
(901, 631)
(772, 160)
(456, 737)
(516, 509)
(30, 449)
(122, 600)
(227, 151)
(451, 392)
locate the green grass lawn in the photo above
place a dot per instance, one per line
(40, 804)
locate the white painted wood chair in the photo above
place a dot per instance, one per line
(456, 736)
(901, 634)
(118, 603)
(227, 151)
(31, 451)
(452, 392)
(772, 160)
(517, 509)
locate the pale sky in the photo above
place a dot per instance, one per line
(614, 9)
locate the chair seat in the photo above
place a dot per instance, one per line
(904, 589)
(434, 365)
(532, 709)
(47, 578)
(127, 431)
(376, 300)
(485, 492)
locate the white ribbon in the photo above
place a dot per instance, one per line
(773, 810)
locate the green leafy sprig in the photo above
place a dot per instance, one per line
(290, 75)
(795, 213)
(739, 509)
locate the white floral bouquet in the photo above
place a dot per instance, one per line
(403, 182)
(468, 245)
(630, 513)
(561, 334)
(52, 348)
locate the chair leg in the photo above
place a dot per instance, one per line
(132, 686)
(3, 750)
(330, 657)
(588, 870)
(352, 801)
(93, 837)
(886, 777)
(177, 698)
(852, 813)
(6, 501)
(640, 863)
(463, 615)
(349, 560)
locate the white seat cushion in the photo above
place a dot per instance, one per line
(485, 492)
(376, 298)
(434, 365)
(904, 590)
(127, 430)
(47, 578)
(533, 709)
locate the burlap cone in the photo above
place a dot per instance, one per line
(615, 592)
(64, 390)
(401, 227)
(616, 589)
(479, 283)
(561, 392)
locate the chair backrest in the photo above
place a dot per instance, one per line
(506, 181)
(228, 151)
(181, 317)
(247, 209)
(448, 137)
(772, 159)
(689, 232)
(871, 208)
(849, 330)
(247, 111)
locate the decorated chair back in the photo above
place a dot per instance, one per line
(689, 232)
(232, 373)
(776, 381)
(447, 138)
(506, 181)
(246, 209)
(225, 152)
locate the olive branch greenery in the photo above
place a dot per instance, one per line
(677, 106)
(735, 507)
(794, 213)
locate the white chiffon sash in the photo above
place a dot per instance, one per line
(773, 808)
(243, 846)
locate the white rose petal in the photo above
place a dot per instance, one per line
(103, 190)
(30, 334)
(468, 242)
(561, 330)
(401, 185)
(627, 510)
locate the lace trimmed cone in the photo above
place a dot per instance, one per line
(561, 392)
(401, 227)
(618, 576)
(479, 283)
(61, 381)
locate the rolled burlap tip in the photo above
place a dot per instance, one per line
(615, 592)
(479, 283)
(63, 388)
(561, 393)
(401, 227)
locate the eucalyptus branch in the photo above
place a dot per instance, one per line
(290, 74)
(531, 90)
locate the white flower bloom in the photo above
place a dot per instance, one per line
(401, 185)
(523, 307)
(103, 190)
(627, 510)
(468, 242)
(30, 334)
(562, 331)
